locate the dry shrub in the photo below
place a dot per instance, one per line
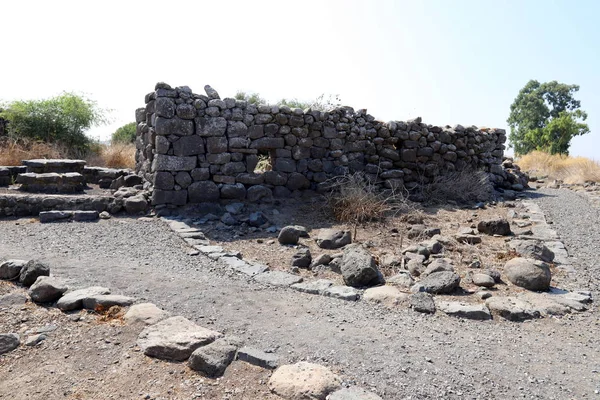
(355, 200)
(117, 155)
(13, 151)
(460, 186)
(264, 163)
(573, 170)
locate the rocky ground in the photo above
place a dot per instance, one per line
(399, 353)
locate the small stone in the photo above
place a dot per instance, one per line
(258, 358)
(468, 311)
(104, 215)
(47, 289)
(10, 269)
(401, 279)
(34, 340)
(389, 296)
(494, 227)
(353, 393)
(278, 278)
(358, 267)
(342, 292)
(105, 301)
(13, 299)
(74, 300)
(332, 239)
(213, 359)
(302, 258)
(443, 282)
(323, 259)
(9, 342)
(146, 313)
(315, 287)
(289, 235)
(483, 280)
(31, 271)
(422, 302)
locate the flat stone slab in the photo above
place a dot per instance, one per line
(342, 292)
(353, 393)
(54, 216)
(277, 278)
(74, 300)
(314, 287)
(303, 380)
(145, 313)
(106, 301)
(213, 359)
(469, 311)
(258, 357)
(207, 250)
(174, 338)
(512, 308)
(244, 267)
(13, 299)
(53, 162)
(389, 296)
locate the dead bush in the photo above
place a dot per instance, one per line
(117, 155)
(13, 151)
(353, 199)
(459, 186)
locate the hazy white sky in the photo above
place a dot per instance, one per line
(446, 61)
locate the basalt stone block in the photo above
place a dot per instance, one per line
(250, 178)
(233, 168)
(236, 129)
(164, 181)
(211, 126)
(285, 165)
(236, 191)
(188, 146)
(275, 178)
(172, 163)
(200, 174)
(175, 197)
(297, 181)
(186, 111)
(164, 107)
(203, 191)
(267, 143)
(215, 145)
(174, 126)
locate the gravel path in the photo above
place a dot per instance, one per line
(577, 222)
(403, 354)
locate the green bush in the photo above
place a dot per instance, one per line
(62, 119)
(125, 134)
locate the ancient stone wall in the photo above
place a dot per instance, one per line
(200, 148)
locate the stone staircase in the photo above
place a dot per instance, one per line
(52, 176)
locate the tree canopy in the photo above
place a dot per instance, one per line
(63, 119)
(125, 134)
(546, 116)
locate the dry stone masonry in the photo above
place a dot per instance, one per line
(196, 148)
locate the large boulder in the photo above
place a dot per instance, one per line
(136, 204)
(47, 289)
(358, 267)
(289, 235)
(213, 359)
(332, 239)
(494, 227)
(10, 269)
(174, 338)
(529, 274)
(303, 381)
(535, 249)
(33, 270)
(442, 282)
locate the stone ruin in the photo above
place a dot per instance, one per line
(195, 148)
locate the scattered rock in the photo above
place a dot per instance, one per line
(31, 271)
(74, 300)
(34, 340)
(105, 301)
(422, 302)
(402, 279)
(353, 393)
(104, 215)
(468, 239)
(229, 219)
(278, 278)
(47, 289)
(303, 381)
(10, 269)
(529, 274)
(258, 358)
(468, 311)
(342, 292)
(314, 287)
(289, 235)
(415, 266)
(85, 216)
(389, 296)
(483, 280)
(511, 308)
(358, 267)
(494, 227)
(302, 258)
(257, 219)
(438, 265)
(433, 246)
(146, 313)
(323, 259)
(174, 338)
(443, 282)
(13, 299)
(235, 208)
(213, 359)
(9, 342)
(535, 249)
(331, 239)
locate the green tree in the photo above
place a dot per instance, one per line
(252, 98)
(125, 134)
(63, 119)
(546, 116)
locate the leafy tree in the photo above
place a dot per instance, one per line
(546, 116)
(62, 119)
(321, 103)
(125, 134)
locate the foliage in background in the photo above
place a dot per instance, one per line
(63, 120)
(574, 170)
(125, 134)
(251, 98)
(464, 186)
(545, 117)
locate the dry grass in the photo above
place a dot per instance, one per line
(13, 151)
(117, 155)
(572, 170)
(461, 186)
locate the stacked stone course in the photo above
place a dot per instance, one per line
(197, 148)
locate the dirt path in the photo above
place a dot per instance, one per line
(401, 353)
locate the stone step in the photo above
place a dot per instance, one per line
(71, 182)
(42, 166)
